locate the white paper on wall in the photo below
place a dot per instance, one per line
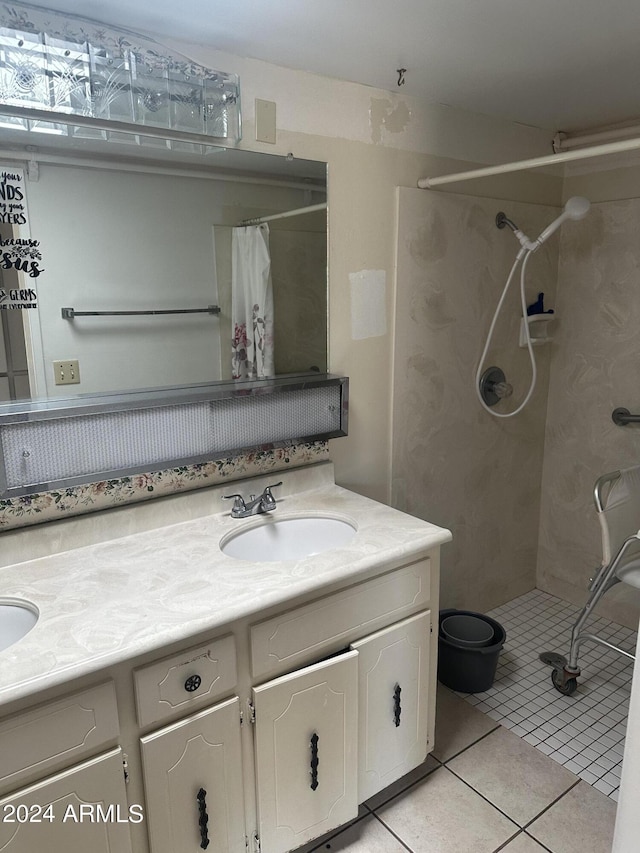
(368, 304)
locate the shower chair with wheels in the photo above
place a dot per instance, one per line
(617, 500)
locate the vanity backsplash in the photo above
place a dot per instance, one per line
(67, 502)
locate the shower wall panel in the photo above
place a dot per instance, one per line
(594, 369)
(453, 463)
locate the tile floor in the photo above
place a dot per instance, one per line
(482, 790)
(584, 732)
(520, 768)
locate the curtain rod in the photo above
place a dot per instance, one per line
(160, 167)
(564, 141)
(535, 162)
(258, 220)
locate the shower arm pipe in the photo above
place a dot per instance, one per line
(533, 163)
(258, 220)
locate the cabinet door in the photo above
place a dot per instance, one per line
(306, 752)
(393, 676)
(195, 755)
(83, 809)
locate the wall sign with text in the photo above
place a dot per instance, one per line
(17, 250)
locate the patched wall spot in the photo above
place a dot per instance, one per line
(384, 114)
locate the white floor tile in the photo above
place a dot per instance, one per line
(585, 732)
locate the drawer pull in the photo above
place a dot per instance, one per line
(204, 819)
(397, 709)
(192, 683)
(314, 761)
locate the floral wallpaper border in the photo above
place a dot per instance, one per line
(64, 503)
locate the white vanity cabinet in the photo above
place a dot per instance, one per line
(256, 739)
(336, 696)
(330, 735)
(193, 783)
(306, 733)
(394, 698)
(82, 807)
(79, 810)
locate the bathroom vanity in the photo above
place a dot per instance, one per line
(172, 697)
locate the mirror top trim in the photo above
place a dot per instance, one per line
(92, 404)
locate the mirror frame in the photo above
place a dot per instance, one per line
(14, 415)
(190, 161)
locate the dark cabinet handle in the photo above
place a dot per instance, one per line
(204, 818)
(314, 761)
(397, 709)
(192, 683)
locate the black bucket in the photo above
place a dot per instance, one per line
(469, 668)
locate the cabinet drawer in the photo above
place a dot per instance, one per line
(325, 625)
(185, 681)
(34, 743)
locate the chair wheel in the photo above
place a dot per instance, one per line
(565, 686)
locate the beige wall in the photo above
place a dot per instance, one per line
(373, 142)
(594, 369)
(453, 463)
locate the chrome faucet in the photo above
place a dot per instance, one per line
(255, 505)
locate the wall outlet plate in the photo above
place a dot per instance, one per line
(66, 372)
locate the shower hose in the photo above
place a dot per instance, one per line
(523, 255)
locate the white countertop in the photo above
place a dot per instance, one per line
(107, 602)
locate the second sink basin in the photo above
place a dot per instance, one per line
(17, 618)
(288, 539)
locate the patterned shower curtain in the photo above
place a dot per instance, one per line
(251, 303)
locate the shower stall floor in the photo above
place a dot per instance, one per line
(584, 732)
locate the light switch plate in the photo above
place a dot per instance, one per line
(66, 372)
(265, 121)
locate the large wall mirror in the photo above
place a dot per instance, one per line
(121, 240)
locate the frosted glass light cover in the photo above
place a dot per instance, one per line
(59, 451)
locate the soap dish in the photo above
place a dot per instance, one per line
(538, 329)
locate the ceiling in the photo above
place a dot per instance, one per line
(556, 64)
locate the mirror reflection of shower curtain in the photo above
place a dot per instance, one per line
(251, 303)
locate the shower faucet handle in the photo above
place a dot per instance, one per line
(493, 386)
(502, 389)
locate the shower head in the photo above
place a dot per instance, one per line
(576, 207)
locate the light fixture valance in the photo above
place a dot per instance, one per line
(106, 80)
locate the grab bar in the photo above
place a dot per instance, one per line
(622, 417)
(70, 313)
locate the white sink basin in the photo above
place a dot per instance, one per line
(17, 618)
(288, 539)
